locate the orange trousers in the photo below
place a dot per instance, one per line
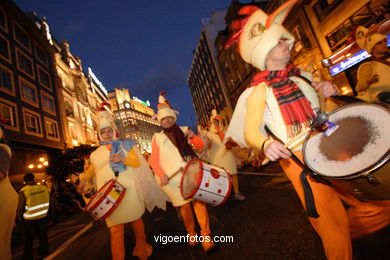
(202, 216)
(142, 249)
(337, 225)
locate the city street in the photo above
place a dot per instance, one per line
(269, 224)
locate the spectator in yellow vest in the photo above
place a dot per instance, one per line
(32, 212)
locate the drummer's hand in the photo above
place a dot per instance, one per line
(80, 187)
(117, 158)
(190, 134)
(276, 150)
(230, 144)
(327, 88)
(164, 180)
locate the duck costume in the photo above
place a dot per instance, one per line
(170, 153)
(367, 90)
(9, 203)
(219, 154)
(135, 175)
(285, 103)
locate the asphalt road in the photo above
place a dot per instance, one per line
(269, 224)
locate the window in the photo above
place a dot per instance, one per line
(4, 49)
(51, 129)
(48, 103)
(42, 55)
(3, 20)
(24, 63)
(32, 122)
(22, 37)
(9, 112)
(44, 77)
(6, 81)
(69, 108)
(323, 8)
(28, 92)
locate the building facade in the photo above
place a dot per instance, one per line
(134, 118)
(237, 73)
(28, 92)
(80, 96)
(206, 80)
(333, 24)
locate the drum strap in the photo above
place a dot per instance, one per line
(309, 199)
(311, 210)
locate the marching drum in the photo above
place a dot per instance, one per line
(106, 200)
(205, 182)
(358, 151)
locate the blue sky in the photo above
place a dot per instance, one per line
(145, 46)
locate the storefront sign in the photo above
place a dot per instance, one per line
(354, 59)
(345, 64)
(147, 103)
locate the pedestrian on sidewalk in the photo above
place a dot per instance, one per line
(220, 153)
(122, 158)
(280, 99)
(170, 154)
(33, 207)
(9, 201)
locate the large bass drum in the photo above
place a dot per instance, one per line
(358, 151)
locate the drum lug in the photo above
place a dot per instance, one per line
(372, 180)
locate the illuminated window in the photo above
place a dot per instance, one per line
(8, 111)
(51, 129)
(48, 103)
(24, 63)
(28, 92)
(6, 81)
(44, 78)
(22, 37)
(32, 122)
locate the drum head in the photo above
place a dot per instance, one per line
(191, 178)
(360, 142)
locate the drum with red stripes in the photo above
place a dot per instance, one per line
(205, 182)
(106, 200)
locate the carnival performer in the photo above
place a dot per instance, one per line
(170, 153)
(285, 103)
(9, 203)
(373, 75)
(221, 154)
(122, 158)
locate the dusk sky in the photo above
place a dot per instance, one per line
(145, 46)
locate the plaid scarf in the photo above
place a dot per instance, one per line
(176, 136)
(294, 106)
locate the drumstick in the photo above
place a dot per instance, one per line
(173, 175)
(290, 142)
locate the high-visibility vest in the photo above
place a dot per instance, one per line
(37, 201)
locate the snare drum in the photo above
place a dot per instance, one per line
(106, 200)
(358, 148)
(205, 182)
